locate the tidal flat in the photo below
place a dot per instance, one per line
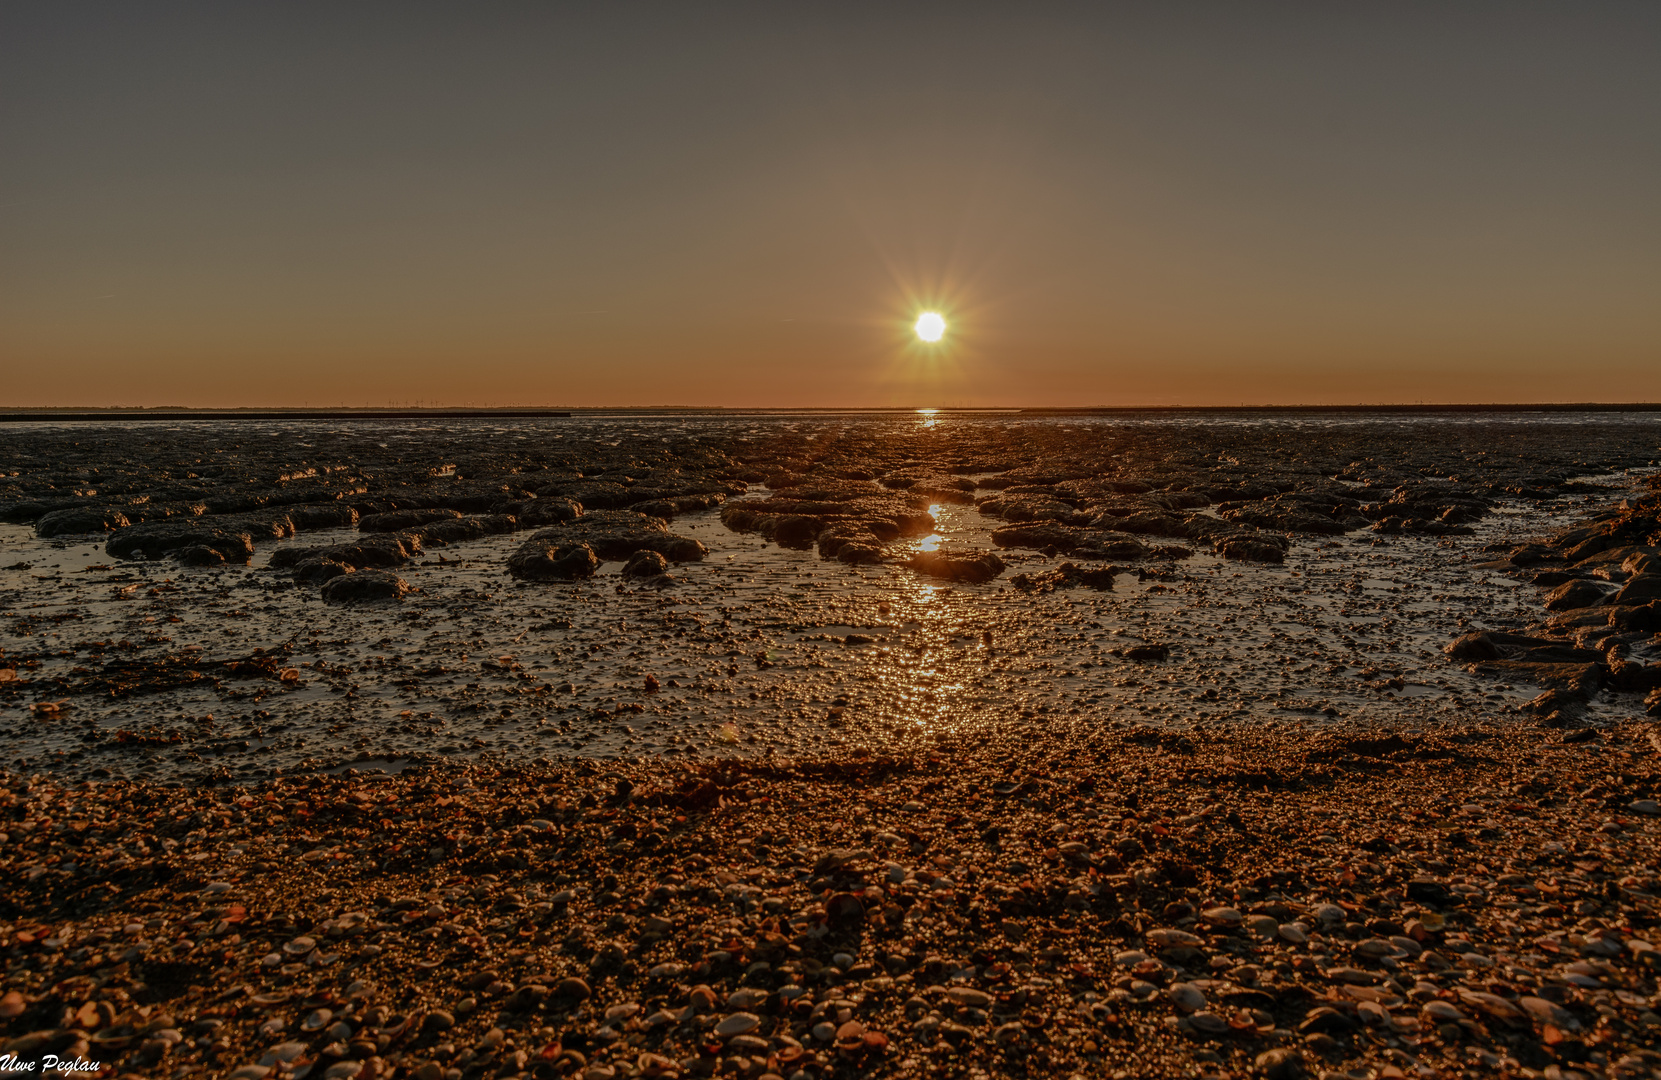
(809, 746)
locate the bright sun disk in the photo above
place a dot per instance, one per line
(930, 326)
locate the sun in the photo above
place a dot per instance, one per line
(930, 326)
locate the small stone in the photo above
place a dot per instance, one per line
(573, 987)
(1441, 1012)
(746, 998)
(739, 1023)
(1280, 1064)
(824, 1032)
(1293, 933)
(1186, 996)
(969, 997)
(1165, 939)
(438, 1020)
(317, 1020)
(1644, 806)
(1543, 1012)
(1209, 1023)
(1222, 916)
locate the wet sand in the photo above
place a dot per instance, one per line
(1017, 826)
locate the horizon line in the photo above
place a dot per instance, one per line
(165, 412)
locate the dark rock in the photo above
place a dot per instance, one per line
(1066, 576)
(383, 550)
(796, 530)
(364, 586)
(85, 519)
(644, 564)
(153, 540)
(1576, 594)
(461, 529)
(1582, 680)
(614, 535)
(1148, 652)
(400, 520)
(1262, 548)
(658, 508)
(1473, 646)
(1530, 554)
(1642, 589)
(589, 494)
(317, 571)
(200, 555)
(1627, 675)
(1326, 1021)
(1427, 891)
(337, 515)
(957, 565)
(540, 512)
(1042, 535)
(541, 560)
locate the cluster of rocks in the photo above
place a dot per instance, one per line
(1111, 492)
(1399, 905)
(1602, 613)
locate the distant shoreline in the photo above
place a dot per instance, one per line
(80, 414)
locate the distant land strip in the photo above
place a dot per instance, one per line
(85, 414)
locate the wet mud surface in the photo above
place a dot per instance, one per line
(788, 749)
(824, 585)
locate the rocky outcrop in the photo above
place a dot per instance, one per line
(381, 550)
(542, 560)
(364, 587)
(969, 566)
(83, 519)
(156, 539)
(645, 564)
(1067, 576)
(400, 520)
(614, 535)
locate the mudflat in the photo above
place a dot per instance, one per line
(779, 746)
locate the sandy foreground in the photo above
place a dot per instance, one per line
(1478, 903)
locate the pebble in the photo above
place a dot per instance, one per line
(1542, 1011)
(746, 998)
(1186, 996)
(573, 987)
(1168, 938)
(739, 1023)
(1209, 1023)
(1440, 1012)
(1222, 916)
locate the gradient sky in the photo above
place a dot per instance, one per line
(291, 203)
